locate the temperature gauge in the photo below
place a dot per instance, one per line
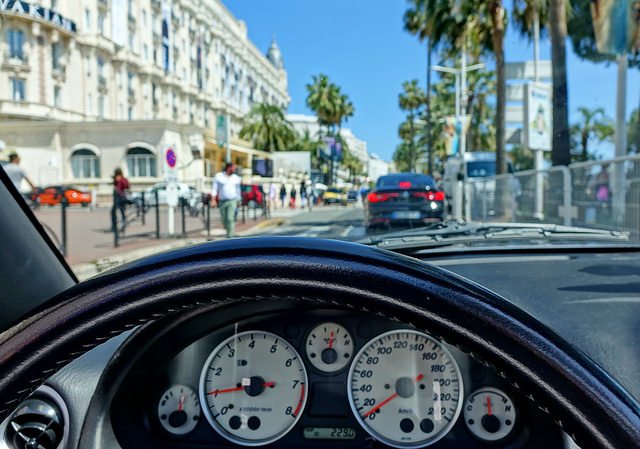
(490, 414)
(179, 410)
(329, 347)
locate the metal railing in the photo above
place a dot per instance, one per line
(603, 194)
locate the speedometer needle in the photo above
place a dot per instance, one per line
(231, 390)
(331, 340)
(418, 378)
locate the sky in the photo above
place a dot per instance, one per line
(362, 47)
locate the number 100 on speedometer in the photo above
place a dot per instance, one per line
(405, 388)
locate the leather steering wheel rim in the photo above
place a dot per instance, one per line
(585, 401)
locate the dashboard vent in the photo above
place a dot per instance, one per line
(36, 424)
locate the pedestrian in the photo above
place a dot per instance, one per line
(283, 195)
(273, 192)
(16, 173)
(303, 194)
(292, 194)
(226, 191)
(120, 190)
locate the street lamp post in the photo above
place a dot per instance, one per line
(460, 199)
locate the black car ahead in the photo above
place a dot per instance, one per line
(408, 199)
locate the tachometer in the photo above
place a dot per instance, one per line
(253, 388)
(405, 388)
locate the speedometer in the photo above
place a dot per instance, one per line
(253, 388)
(405, 389)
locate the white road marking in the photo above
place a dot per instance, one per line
(346, 231)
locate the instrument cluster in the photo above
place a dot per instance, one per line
(330, 376)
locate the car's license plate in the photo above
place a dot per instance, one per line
(406, 215)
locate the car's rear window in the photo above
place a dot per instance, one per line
(405, 182)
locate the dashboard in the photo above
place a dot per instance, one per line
(280, 375)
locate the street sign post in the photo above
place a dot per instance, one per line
(171, 178)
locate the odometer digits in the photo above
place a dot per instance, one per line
(329, 433)
(405, 388)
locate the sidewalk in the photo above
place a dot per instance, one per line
(90, 244)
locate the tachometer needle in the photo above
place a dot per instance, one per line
(418, 378)
(489, 405)
(231, 390)
(181, 403)
(331, 340)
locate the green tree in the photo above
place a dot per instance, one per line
(411, 100)
(633, 132)
(311, 144)
(594, 125)
(268, 129)
(522, 158)
(475, 27)
(331, 106)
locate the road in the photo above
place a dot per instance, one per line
(331, 222)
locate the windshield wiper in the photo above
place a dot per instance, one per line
(453, 233)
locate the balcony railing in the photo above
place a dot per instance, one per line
(132, 20)
(132, 95)
(102, 82)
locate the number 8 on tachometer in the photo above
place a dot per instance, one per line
(405, 388)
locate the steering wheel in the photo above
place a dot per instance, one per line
(589, 405)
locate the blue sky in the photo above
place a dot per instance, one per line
(361, 45)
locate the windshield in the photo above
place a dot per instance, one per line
(480, 169)
(391, 123)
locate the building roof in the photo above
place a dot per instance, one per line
(274, 55)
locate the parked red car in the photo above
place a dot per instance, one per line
(52, 195)
(252, 195)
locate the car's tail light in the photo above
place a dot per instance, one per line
(431, 196)
(375, 197)
(404, 185)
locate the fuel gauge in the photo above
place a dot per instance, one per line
(179, 410)
(490, 414)
(329, 347)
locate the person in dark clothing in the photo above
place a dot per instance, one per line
(120, 189)
(283, 195)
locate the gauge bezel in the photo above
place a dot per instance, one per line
(516, 420)
(445, 430)
(205, 405)
(162, 425)
(312, 365)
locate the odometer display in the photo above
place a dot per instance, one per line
(405, 388)
(329, 433)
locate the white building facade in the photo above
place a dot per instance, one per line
(90, 85)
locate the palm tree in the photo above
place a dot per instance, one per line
(266, 126)
(560, 151)
(311, 144)
(411, 100)
(594, 124)
(327, 101)
(331, 107)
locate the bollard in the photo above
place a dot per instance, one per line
(255, 212)
(114, 222)
(157, 216)
(184, 224)
(144, 209)
(63, 208)
(208, 205)
(244, 213)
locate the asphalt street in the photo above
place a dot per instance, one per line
(331, 222)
